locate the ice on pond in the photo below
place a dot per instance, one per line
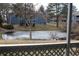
(35, 35)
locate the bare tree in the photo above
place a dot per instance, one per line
(30, 14)
(26, 11)
(4, 9)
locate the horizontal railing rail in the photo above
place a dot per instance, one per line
(40, 50)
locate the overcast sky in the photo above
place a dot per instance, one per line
(45, 5)
(77, 5)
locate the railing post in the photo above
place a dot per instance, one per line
(69, 20)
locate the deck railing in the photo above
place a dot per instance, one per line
(40, 50)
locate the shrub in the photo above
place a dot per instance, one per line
(8, 27)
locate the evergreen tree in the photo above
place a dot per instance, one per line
(64, 10)
(41, 9)
(54, 10)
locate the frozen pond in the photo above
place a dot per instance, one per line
(35, 35)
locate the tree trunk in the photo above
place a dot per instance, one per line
(57, 16)
(30, 30)
(57, 21)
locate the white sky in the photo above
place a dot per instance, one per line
(37, 5)
(77, 5)
(45, 5)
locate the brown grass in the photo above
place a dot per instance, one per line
(48, 27)
(17, 41)
(36, 41)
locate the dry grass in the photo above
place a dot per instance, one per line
(36, 41)
(27, 41)
(48, 27)
(75, 30)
